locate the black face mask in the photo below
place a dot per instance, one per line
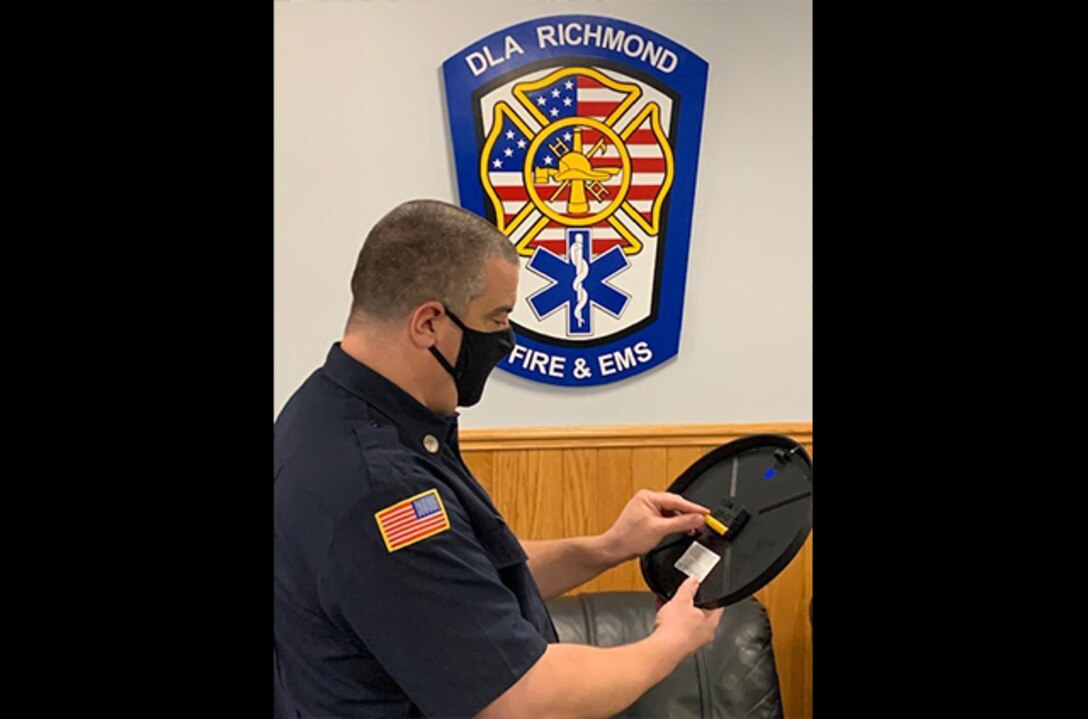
(480, 352)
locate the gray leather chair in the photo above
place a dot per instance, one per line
(732, 677)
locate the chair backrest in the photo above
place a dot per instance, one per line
(732, 677)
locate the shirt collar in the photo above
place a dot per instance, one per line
(406, 411)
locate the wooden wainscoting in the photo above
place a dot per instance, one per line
(572, 481)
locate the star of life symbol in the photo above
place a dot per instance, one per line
(577, 166)
(579, 281)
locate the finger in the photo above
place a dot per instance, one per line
(668, 500)
(682, 523)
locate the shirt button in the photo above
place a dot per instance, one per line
(430, 443)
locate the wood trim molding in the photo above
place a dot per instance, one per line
(668, 435)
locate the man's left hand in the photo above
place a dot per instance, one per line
(647, 518)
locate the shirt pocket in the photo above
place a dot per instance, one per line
(503, 547)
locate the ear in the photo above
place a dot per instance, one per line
(422, 324)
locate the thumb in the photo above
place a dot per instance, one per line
(686, 591)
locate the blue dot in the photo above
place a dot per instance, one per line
(768, 474)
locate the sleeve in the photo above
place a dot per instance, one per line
(435, 612)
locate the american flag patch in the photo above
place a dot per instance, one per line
(412, 520)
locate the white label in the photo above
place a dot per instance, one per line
(697, 561)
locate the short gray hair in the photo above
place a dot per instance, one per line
(424, 250)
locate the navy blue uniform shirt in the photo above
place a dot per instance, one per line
(438, 628)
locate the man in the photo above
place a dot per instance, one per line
(399, 589)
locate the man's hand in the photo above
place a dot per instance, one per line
(647, 518)
(578, 680)
(684, 625)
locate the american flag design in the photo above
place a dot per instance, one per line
(412, 520)
(534, 124)
(579, 148)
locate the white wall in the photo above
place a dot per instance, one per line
(360, 127)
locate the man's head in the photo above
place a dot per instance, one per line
(422, 261)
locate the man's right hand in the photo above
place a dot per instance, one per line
(686, 626)
(587, 681)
